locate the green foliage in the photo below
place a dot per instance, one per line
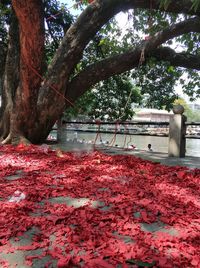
(157, 83)
(110, 99)
(5, 13)
(104, 44)
(182, 102)
(192, 116)
(58, 19)
(165, 3)
(190, 42)
(149, 22)
(194, 4)
(191, 85)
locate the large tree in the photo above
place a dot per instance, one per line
(33, 94)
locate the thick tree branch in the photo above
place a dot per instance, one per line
(182, 59)
(175, 6)
(128, 60)
(86, 26)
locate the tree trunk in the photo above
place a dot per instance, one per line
(11, 77)
(23, 120)
(22, 105)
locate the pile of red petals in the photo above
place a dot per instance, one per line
(95, 236)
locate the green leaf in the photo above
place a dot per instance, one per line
(102, 42)
(170, 69)
(165, 4)
(195, 4)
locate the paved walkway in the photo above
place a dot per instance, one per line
(189, 161)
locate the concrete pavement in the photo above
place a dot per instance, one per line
(188, 161)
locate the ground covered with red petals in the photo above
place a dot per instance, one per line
(95, 210)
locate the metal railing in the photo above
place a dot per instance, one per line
(126, 128)
(191, 124)
(118, 127)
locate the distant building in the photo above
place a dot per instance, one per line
(194, 106)
(153, 115)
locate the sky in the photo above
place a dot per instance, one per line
(123, 22)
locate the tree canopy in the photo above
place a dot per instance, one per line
(158, 74)
(38, 87)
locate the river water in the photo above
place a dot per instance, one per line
(159, 144)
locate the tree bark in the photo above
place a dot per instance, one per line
(11, 77)
(25, 115)
(181, 59)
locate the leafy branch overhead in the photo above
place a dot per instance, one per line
(162, 56)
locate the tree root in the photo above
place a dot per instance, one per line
(23, 140)
(15, 140)
(7, 140)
